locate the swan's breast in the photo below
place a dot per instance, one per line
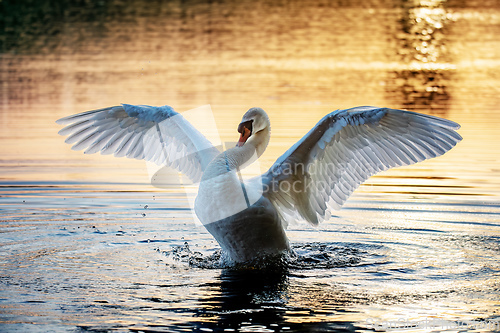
(254, 232)
(223, 195)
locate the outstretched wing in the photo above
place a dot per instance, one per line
(344, 149)
(156, 134)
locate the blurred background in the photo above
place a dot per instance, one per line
(298, 60)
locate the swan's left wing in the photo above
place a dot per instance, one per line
(155, 134)
(344, 149)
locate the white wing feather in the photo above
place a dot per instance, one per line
(156, 134)
(344, 149)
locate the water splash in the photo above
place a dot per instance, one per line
(303, 256)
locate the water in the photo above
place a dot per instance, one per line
(87, 244)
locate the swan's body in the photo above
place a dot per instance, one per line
(318, 173)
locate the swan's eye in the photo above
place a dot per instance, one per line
(247, 124)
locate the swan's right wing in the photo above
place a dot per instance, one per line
(155, 134)
(344, 149)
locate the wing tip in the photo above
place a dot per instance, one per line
(64, 120)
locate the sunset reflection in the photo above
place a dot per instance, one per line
(424, 48)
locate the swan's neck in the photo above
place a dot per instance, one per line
(221, 193)
(260, 140)
(237, 158)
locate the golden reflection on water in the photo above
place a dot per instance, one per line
(419, 55)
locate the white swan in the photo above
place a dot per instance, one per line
(318, 173)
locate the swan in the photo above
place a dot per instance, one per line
(248, 218)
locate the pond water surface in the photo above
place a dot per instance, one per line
(88, 244)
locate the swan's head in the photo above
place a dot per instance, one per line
(254, 121)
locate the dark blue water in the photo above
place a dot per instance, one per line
(84, 257)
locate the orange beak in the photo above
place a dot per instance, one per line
(245, 134)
